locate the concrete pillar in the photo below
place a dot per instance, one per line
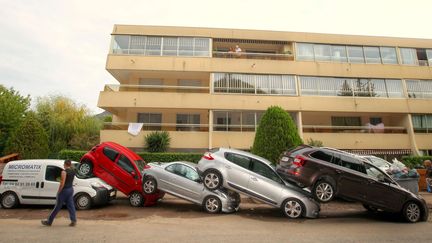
(411, 134)
(300, 124)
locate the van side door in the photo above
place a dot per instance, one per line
(48, 187)
(26, 182)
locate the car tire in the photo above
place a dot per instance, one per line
(212, 204)
(323, 191)
(293, 208)
(212, 179)
(83, 201)
(136, 199)
(149, 185)
(412, 212)
(9, 200)
(86, 168)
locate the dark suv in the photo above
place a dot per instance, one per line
(331, 172)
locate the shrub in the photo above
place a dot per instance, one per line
(315, 143)
(158, 141)
(276, 132)
(76, 155)
(29, 139)
(415, 161)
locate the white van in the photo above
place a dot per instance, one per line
(37, 182)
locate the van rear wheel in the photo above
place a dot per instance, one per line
(9, 200)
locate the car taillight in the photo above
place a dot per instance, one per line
(299, 161)
(208, 156)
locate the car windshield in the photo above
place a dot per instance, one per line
(378, 161)
(140, 164)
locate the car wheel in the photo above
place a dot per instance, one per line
(212, 204)
(83, 201)
(370, 208)
(412, 212)
(323, 191)
(149, 185)
(293, 208)
(9, 200)
(86, 168)
(136, 199)
(212, 179)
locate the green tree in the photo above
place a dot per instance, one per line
(276, 132)
(158, 141)
(315, 143)
(67, 124)
(13, 106)
(29, 139)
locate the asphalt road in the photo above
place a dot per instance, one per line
(174, 220)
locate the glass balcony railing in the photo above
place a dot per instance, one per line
(352, 129)
(158, 127)
(155, 88)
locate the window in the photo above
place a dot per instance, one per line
(372, 54)
(408, 56)
(305, 51)
(429, 56)
(350, 164)
(120, 44)
(152, 121)
(373, 172)
(169, 46)
(254, 84)
(322, 155)
(388, 55)
(110, 153)
(322, 52)
(186, 46)
(153, 46)
(375, 120)
(394, 88)
(150, 81)
(422, 123)
(183, 171)
(419, 88)
(202, 47)
(355, 54)
(188, 119)
(53, 173)
(236, 120)
(339, 54)
(345, 121)
(238, 159)
(125, 164)
(137, 44)
(264, 170)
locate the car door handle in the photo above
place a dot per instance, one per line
(37, 184)
(371, 181)
(42, 184)
(227, 166)
(254, 179)
(339, 171)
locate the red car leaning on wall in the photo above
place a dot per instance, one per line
(121, 168)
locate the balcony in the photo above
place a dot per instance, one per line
(253, 55)
(352, 129)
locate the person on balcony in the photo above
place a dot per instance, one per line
(238, 50)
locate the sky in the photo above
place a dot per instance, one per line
(52, 47)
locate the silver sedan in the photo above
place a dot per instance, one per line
(181, 179)
(254, 176)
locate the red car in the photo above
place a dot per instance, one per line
(121, 168)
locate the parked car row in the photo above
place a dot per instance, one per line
(304, 177)
(330, 172)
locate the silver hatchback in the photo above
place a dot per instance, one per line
(181, 179)
(254, 176)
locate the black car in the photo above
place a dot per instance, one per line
(331, 172)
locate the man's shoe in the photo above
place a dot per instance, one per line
(45, 222)
(72, 224)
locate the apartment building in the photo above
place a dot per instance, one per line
(209, 87)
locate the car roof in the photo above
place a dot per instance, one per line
(57, 162)
(191, 164)
(122, 149)
(245, 154)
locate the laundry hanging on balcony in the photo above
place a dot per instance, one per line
(135, 128)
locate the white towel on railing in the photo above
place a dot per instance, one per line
(135, 128)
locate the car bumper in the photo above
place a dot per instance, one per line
(312, 208)
(103, 196)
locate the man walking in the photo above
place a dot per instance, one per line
(64, 195)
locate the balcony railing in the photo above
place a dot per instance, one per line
(352, 129)
(155, 88)
(253, 55)
(158, 127)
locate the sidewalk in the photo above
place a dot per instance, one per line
(427, 197)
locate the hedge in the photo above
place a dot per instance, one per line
(76, 155)
(415, 161)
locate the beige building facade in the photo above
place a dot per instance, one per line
(209, 87)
